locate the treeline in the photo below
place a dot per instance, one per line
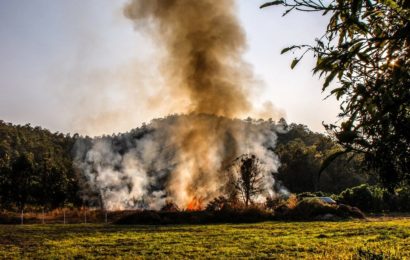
(302, 154)
(36, 166)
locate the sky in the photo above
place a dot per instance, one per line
(80, 66)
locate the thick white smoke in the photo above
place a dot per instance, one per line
(146, 167)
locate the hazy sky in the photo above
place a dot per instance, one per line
(79, 66)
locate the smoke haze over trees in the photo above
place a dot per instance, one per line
(141, 168)
(41, 163)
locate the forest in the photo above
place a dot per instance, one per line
(37, 169)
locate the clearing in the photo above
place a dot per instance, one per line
(317, 240)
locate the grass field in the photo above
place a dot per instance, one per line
(313, 240)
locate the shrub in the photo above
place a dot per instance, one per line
(314, 209)
(310, 208)
(346, 211)
(376, 199)
(365, 197)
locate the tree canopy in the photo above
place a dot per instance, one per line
(36, 168)
(366, 47)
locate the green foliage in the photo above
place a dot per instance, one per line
(302, 154)
(366, 47)
(36, 167)
(365, 197)
(376, 199)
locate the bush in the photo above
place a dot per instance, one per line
(376, 199)
(346, 211)
(366, 197)
(310, 208)
(315, 209)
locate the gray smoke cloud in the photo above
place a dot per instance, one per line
(146, 167)
(184, 158)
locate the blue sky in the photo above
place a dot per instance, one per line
(79, 65)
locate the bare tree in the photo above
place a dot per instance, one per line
(248, 172)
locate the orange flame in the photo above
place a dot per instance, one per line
(194, 205)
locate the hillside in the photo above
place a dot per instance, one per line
(37, 167)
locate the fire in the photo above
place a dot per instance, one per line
(194, 205)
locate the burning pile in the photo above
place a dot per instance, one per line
(183, 158)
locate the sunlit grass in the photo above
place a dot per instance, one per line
(317, 240)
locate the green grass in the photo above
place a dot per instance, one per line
(312, 240)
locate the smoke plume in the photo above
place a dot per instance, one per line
(183, 158)
(204, 44)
